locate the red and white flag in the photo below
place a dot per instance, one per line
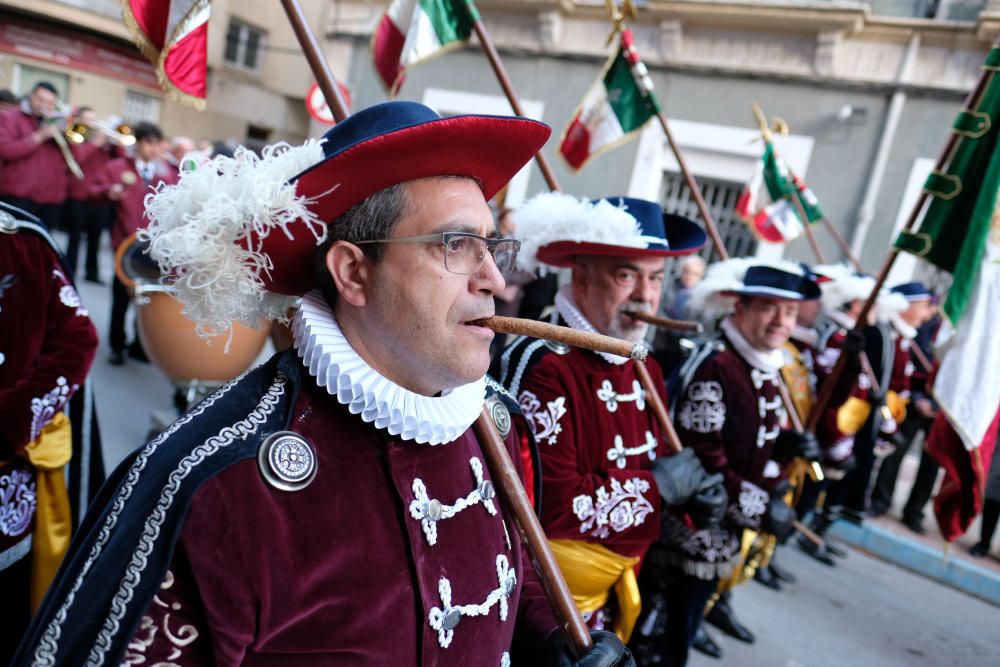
(173, 35)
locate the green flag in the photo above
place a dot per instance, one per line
(953, 233)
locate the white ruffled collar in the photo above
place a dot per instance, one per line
(577, 320)
(771, 361)
(806, 335)
(328, 355)
(902, 328)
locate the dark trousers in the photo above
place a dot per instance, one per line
(988, 525)
(49, 214)
(685, 613)
(15, 611)
(84, 217)
(885, 482)
(923, 487)
(119, 310)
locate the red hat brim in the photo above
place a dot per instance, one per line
(489, 149)
(563, 253)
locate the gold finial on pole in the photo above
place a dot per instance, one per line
(618, 16)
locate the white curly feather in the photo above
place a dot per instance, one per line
(709, 303)
(196, 227)
(844, 286)
(554, 216)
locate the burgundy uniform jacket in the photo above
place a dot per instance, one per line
(35, 171)
(130, 210)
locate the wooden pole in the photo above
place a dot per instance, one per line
(508, 89)
(508, 485)
(842, 243)
(971, 102)
(660, 410)
(314, 56)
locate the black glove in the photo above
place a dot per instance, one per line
(708, 505)
(778, 519)
(790, 444)
(608, 651)
(678, 477)
(854, 342)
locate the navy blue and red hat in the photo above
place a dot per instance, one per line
(770, 282)
(913, 291)
(388, 144)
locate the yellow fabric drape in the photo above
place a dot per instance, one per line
(797, 378)
(49, 453)
(854, 412)
(591, 572)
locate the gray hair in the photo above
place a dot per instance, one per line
(371, 219)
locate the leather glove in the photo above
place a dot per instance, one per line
(678, 477)
(778, 519)
(854, 341)
(790, 444)
(707, 506)
(608, 651)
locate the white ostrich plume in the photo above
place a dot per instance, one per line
(196, 228)
(554, 216)
(844, 286)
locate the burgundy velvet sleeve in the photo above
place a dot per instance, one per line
(703, 423)
(15, 138)
(173, 630)
(55, 341)
(575, 490)
(225, 591)
(103, 178)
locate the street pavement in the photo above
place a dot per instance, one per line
(863, 613)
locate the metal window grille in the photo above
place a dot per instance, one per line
(140, 107)
(720, 196)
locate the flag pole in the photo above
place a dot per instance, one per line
(842, 243)
(508, 88)
(498, 461)
(971, 102)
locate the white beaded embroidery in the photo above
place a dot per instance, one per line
(544, 423)
(619, 510)
(436, 616)
(420, 505)
(612, 398)
(620, 452)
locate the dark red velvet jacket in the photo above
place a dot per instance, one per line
(92, 160)
(730, 414)
(341, 572)
(28, 169)
(130, 210)
(585, 412)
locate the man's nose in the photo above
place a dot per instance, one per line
(487, 278)
(644, 290)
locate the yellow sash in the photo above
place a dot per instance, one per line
(854, 412)
(591, 571)
(49, 453)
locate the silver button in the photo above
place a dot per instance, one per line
(434, 510)
(509, 585)
(486, 490)
(451, 619)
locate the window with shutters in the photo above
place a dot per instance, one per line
(244, 46)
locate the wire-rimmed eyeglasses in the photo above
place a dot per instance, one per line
(464, 252)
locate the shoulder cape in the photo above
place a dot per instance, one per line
(122, 550)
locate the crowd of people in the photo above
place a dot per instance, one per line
(344, 485)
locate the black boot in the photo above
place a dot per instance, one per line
(779, 572)
(723, 617)
(705, 643)
(834, 549)
(819, 552)
(764, 575)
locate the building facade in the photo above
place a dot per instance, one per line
(868, 90)
(257, 78)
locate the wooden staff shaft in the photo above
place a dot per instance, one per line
(808, 533)
(813, 243)
(509, 487)
(706, 216)
(842, 243)
(667, 323)
(660, 410)
(971, 102)
(786, 400)
(920, 356)
(508, 89)
(590, 341)
(314, 55)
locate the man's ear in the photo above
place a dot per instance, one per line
(352, 272)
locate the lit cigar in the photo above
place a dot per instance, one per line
(666, 323)
(589, 341)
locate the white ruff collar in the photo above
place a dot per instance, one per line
(771, 361)
(902, 328)
(805, 335)
(567, 308)
(328, 355)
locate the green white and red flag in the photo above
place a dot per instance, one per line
(960, 234)
(173, 35)
(614, 110)
(766, 203)
(414, 31)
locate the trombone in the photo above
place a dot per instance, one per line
(120, 134)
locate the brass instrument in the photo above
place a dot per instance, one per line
(121, 134)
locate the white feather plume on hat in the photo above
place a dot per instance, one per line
(844, 286)
(196, 227)
(555, 216)
(709, 301)
(889, 305)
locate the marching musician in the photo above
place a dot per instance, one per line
(332, 506)
(35, 174)
(126, 181)
(606, 478)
